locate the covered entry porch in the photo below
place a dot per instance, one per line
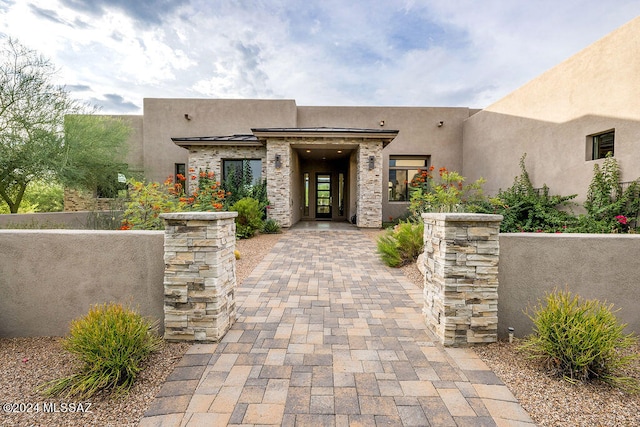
(325, 174)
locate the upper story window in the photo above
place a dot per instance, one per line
(601, 145)
(402, 169)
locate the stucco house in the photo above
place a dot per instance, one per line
(353, 163)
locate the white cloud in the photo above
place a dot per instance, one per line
(430, 53)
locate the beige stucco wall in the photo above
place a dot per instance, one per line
(165, 118)
(78, 220)
(593, 266)
(50, 277)
(550, 118)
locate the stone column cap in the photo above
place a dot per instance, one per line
(199, 216)
(462, 217)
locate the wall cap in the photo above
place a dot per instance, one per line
(199, 216)
(462, 217)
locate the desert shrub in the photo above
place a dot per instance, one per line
(271, 226)
(610, 207)
(148, 200)
(525, 208)
(580, 339)
(401, 244)
(249, 219)
(112, 343)
(446, 193)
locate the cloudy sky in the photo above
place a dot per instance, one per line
(114, 53)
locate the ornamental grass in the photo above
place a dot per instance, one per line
(111, 342)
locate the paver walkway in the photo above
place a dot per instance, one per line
(329, 336)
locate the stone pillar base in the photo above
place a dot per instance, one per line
(461, 277)
(199, 275)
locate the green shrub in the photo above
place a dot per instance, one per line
(580, 339)
(610, 207)
(525, 208)
(249, 219)
(111, 342)
(402, 244)
(448, 193)
(389, 250)
(271, 226)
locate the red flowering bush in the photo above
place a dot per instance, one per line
(447, 193)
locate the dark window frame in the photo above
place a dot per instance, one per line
(404, 195)
(257, 177)
(601, 144)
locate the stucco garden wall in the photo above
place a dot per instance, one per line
(601, 266)
(50, 277)
(69, 220)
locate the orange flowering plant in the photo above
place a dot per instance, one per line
(446, 193)
(146, 202)
(149, 200)
(208, 196)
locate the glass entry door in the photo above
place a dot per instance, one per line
(323, 195)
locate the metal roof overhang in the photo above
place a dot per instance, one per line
(386, 135)
(235, 140)
(259, 136)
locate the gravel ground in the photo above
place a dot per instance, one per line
(25, 363)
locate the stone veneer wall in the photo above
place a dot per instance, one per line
(210, 158)
(199, 275)
(369, 189)
(77, 200)
(461, 277)
(279, 181)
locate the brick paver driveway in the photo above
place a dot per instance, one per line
(327, 335)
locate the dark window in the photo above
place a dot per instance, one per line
(243, 166)
(602, 144)
(402, 169)
(180, 175)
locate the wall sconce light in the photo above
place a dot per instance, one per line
(188, 117)
(440, 123)
(372, 162)
(278, 161)
(381, 122)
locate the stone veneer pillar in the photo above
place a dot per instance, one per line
(279, 181)
(369, 186)
(461, 277)
(199, 275)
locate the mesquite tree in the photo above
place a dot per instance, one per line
(32, 129)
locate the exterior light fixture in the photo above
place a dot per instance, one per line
(440, 123)
(308, 151)
(278, 161)
(187, 116)
(381, 122)
(339, 151)
(372, 162)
